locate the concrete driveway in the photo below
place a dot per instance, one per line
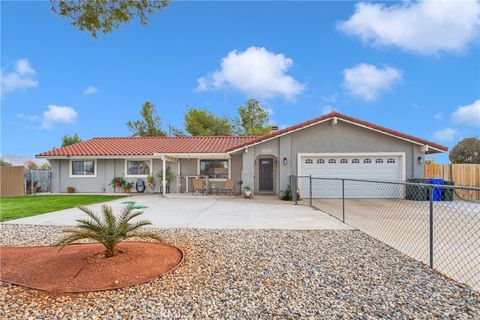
(208, 213)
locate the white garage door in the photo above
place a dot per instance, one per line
(377, 167)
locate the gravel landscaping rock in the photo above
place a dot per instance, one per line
(261, 274)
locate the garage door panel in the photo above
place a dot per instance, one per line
(386, 168)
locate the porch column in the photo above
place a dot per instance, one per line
(164, 181)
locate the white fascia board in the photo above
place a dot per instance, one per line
(391, 135)
(194, 155)
(278, 136)
(338, 118)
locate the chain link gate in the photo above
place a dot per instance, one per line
(428, 222)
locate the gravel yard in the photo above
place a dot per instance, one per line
(258, 274)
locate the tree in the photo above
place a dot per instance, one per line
(253, 119)
(109, 229)
(150, 126)
(45, 166)
(203, 123)
(4, 163)
(70, 139)
(105, 15)
(30, 165)
(466, 151)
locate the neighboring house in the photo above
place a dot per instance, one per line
(333, 145)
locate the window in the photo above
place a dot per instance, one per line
(390, 160)
(343, 161)
(138, 167)
(214, 169)
(355, 160)
(332, 161)
(367, 160)
(320, 161)
(83, 168)
(309, 161)
(379, 160)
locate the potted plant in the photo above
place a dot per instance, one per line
(127, 187)
(117, 182)
(150, 180)
(70, 189)
(247, 190)
(168, 177)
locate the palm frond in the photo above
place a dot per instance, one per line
(91, 214)
(109, 230)
(138, 224)
(88, 225)
(75, 237)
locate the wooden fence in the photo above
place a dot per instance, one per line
(11, 180)
(467, 175)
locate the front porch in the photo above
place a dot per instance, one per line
(210, 174)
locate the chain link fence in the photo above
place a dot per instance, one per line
(37, 181)
(431, 223)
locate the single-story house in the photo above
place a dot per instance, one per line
(333, 145)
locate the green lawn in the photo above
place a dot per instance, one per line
(20, 207)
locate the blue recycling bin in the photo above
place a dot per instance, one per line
(437, 192)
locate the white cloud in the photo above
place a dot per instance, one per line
(256, 72)
(21, 78)
(327, 109)
(27, 117)
(424, 27)
(438, 116)
(367, 81)
(468, 115)
(58, 114)
(90, 90)
(331, 98)
(446, 134)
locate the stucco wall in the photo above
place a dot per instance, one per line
(236, 170)
(250, 167)
(83, 184)
(325, 138)
(107, 169)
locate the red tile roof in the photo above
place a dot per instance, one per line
(347, 118)
(150, 145)
(147, 146)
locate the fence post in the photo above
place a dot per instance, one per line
(430, 196)
(293, 187)
(343, 200)
(311, 191)
(32, 192)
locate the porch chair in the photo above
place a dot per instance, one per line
(199, 186)
(229, 187)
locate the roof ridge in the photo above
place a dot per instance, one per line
(344, 117)
(176, 137)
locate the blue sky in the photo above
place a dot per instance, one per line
(299, 59)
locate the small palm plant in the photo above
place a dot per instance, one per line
(109, 230)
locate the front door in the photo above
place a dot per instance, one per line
(266, 174)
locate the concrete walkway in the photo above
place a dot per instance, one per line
(208, 213)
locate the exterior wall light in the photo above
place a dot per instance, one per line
(285, 161)
(420, 160)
